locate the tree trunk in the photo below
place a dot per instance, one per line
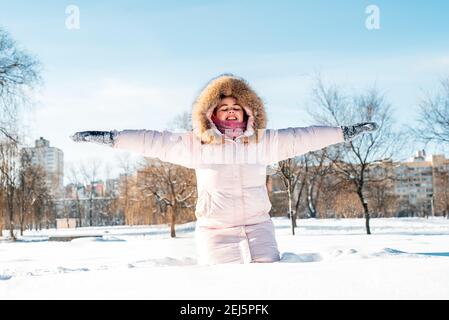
(290, 211)
(297, 206)
(1, 221)
(172, 218)
(367, 217)
(78, 209)
(298, 201)
(310, 204)
(295, 216)
(311, 207)
(90, 211)
(22, 219)
(21, 225)
(11, 213)
(365, 209)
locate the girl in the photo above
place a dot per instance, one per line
(229, 148)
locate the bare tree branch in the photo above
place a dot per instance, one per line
(353, 159)
(433, 117)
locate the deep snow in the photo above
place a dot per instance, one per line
(405, 258)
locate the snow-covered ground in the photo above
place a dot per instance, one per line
(404, 258)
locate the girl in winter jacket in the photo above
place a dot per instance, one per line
(229, 148)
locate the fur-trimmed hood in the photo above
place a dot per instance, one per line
(208, 100)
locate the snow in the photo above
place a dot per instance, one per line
(404, 258)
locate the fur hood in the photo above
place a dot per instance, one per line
(208, 99)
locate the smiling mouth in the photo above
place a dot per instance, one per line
(231, 118)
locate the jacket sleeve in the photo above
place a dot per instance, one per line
(165, 145)
(287, 143)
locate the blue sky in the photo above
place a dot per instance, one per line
(135, 64)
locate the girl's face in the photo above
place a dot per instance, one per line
(229, 110)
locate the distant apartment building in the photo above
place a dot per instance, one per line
(414, 181)
(51, 159)
(422, 183)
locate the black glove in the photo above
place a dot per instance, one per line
(99, 137)
(350, 132)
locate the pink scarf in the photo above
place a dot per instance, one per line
(231, 129)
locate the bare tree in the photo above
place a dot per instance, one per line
(352, 159)
(90, 172)
(173, 186)
(380, 189)
(289, 172)
(44, 209)
(2, 203)
(130, 200)
(9, 172)
(25, 196)
(302, 176)
(31, 186)
(126, 186)
(74, 176)
(109, 206)
(317, 168)
(19, 72)
(433, 118)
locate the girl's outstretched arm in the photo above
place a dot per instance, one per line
(165, 145)
(291, 142)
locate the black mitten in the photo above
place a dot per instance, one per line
(350, 132)
(99, 137)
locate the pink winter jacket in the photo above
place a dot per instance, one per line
(231, 176)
